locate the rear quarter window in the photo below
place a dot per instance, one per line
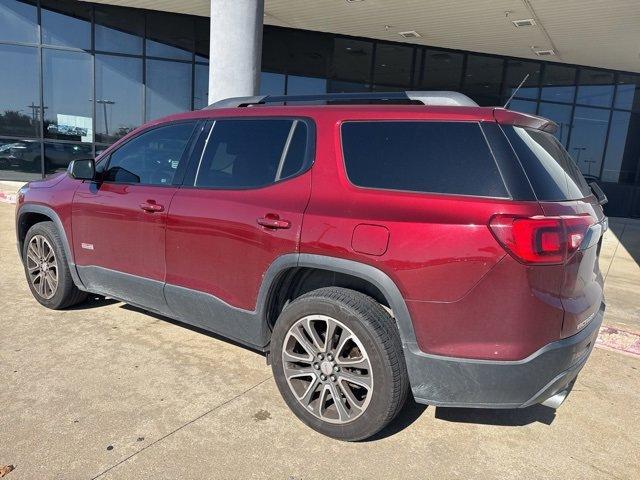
(552, 172)
(421, 156)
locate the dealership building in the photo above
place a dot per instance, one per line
(75, 76)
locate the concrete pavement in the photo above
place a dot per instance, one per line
(620, 264)
(108, 391)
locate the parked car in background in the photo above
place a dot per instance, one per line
(24, 155)
(417, 243)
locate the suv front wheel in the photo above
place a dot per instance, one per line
(338, 363)
(47, 270)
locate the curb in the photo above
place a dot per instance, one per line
(611, 338)
(7, 197)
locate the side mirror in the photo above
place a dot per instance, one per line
(597, 191)
(82, 169)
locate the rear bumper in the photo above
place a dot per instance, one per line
(460, 382)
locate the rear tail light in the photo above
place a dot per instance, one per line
(541, 240)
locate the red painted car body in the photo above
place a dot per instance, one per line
(467, 296)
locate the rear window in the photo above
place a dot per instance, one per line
(553, 174)
(430, 157)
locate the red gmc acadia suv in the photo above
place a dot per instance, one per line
(368, 244)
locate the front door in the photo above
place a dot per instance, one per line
(240, 208)
(119, 222)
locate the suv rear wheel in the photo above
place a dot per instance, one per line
(338, 363)
(46, 268)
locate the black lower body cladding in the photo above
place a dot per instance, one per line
(459, 382)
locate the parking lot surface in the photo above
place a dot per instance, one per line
(108, 391)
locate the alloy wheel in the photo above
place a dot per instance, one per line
(42, 267)
(327, 369)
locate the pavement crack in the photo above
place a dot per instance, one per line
(213, 409)
(615, 251)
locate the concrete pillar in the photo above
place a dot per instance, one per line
(236, 48)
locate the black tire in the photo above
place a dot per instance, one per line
(376, 331)
(66, 294)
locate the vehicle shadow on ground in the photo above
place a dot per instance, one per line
(409, 414)
(411, 411)
(193, 328)
(481, 416)
(93, 301)
(515, 417)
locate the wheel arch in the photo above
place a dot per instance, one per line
(293, 275)
(26, 220)
(28, 216)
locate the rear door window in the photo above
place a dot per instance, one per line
(252, 153)
(421, 156)
(552, 172)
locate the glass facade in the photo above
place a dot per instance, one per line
(78, 76)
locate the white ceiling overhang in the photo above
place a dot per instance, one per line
(600, 33)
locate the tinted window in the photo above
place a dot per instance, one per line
(305, 54)
(116, 32)
(628, 92)
(296, 153)
(151, 158)
(352, 60)
(393, 64)
(66, 23)
(168, 88)
(595, 88)
(118, 96)
(558, 83)
(169, 36)
(524, 106)
(588, 136)
(305, 85)
(252, 153)
(623, 149)
(437, 157)
(58, 155)
(551, 171)
(441, 70)
(517, 71)
(271, 83)
(20, 159)
(200, 86)
(20, 97)
(338, 86)
(203, 24)
(67, 95)
(483, 75)
(18, 21)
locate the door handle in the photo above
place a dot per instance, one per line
(151, 207)
(271, 220)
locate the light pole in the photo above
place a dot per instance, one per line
(35, 110)
(104, 109)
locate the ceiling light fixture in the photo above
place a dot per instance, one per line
(544, 53)
(527, 22)
(410, 34)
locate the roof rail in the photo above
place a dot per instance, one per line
(430, 98)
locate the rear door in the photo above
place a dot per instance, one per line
(562, 191)
(119, 223)
(240, 208)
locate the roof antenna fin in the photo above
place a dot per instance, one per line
(516, 90)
